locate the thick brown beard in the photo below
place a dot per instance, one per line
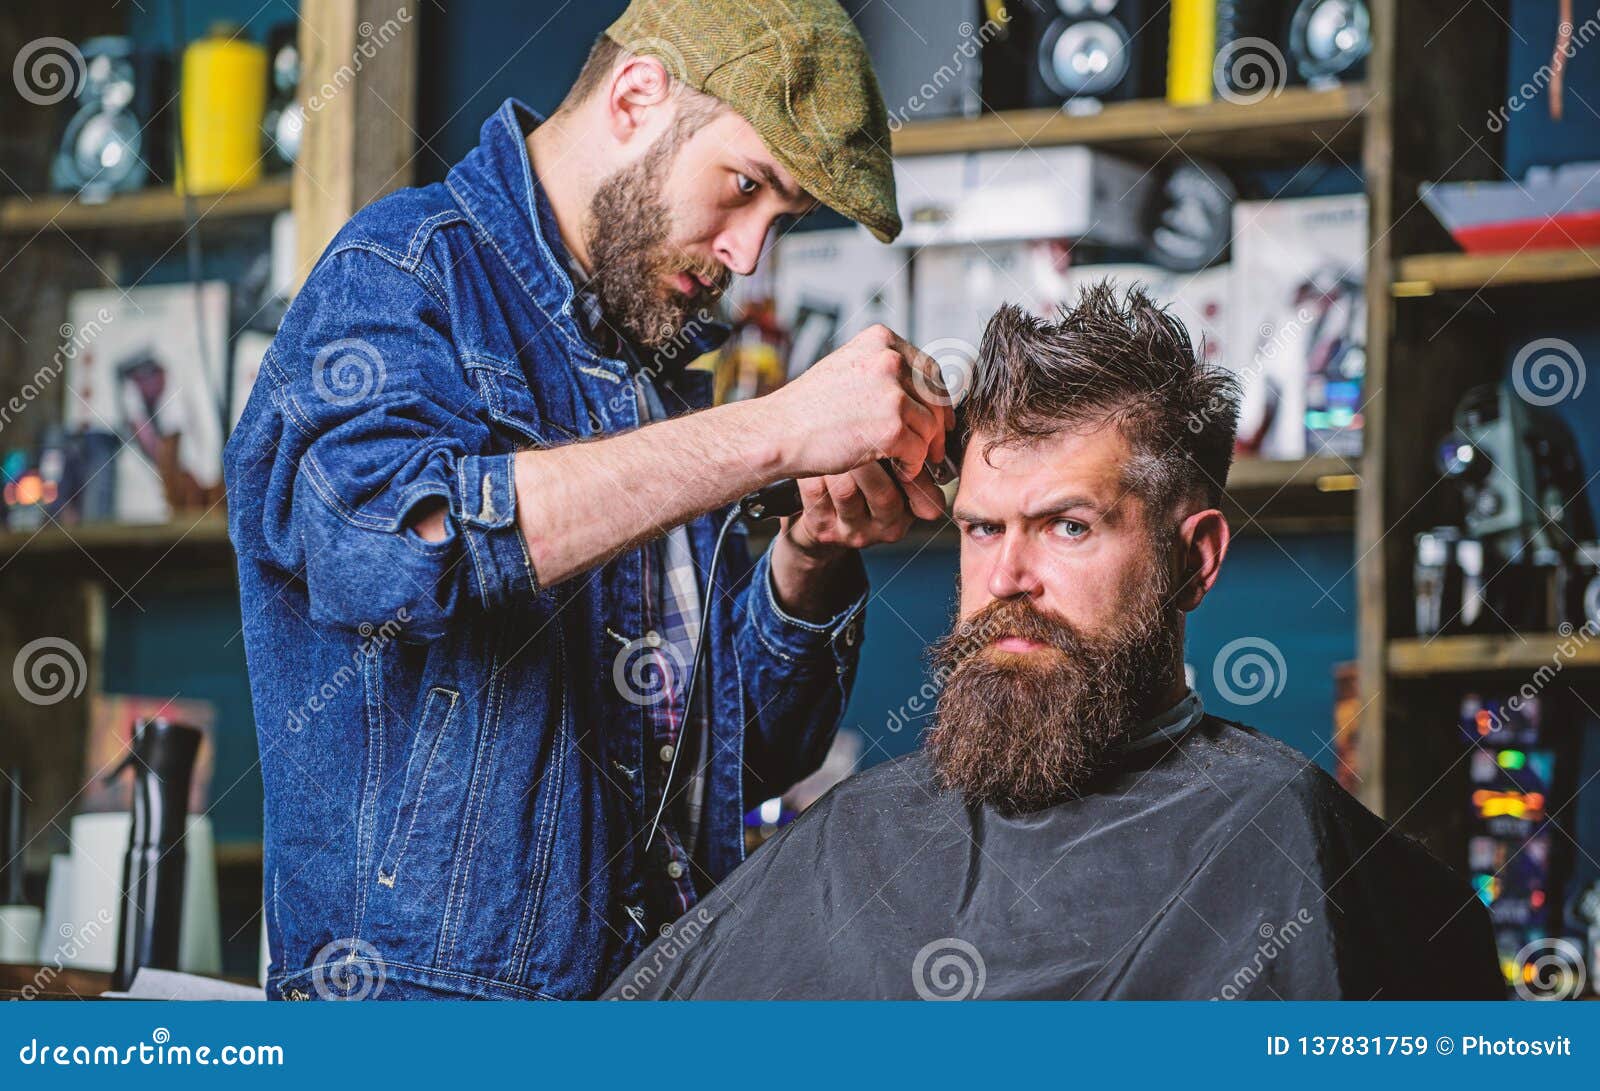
(1022, 733)
(629, 225)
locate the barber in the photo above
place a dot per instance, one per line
(474, 496)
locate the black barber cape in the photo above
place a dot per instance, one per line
(1220, 864)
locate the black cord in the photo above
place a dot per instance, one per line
(707, 600)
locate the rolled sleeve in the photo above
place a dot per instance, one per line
(836, 641)
(487, 498)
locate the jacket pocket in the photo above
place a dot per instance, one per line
(431, 741)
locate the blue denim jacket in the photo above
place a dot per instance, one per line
(454, 803)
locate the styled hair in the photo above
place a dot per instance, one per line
(1110, 359)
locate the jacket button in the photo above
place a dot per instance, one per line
(674, 870)
(652, 639)
(666, 752)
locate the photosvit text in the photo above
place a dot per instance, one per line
(1415, 1045)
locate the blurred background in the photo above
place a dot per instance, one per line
(1383, 216)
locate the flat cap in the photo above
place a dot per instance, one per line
(798, 72)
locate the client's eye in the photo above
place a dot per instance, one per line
(1069, 528)
(980, 531)
(746, 185)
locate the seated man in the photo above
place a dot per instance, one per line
(1075, 825)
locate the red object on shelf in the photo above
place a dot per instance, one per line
(1565, 232)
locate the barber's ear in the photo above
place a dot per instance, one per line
(639, 88)
(1203, 542)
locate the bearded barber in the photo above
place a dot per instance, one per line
(475, 514)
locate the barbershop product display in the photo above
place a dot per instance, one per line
(1513, 766)
(114, 137)
(161, 759)
(1298, 341)
(1051, 193)
(831, 285)
(1189, 220)
(154, 375)
(1075, 53)
(1551, 208)
(222, 99)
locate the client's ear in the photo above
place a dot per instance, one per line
(1202, 543)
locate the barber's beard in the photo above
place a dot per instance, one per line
(1025, 731)
(627, 237)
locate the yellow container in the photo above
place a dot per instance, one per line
(1191, 52)
(223, 96)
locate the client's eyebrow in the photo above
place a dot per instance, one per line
(1043, 511)
(767, 174)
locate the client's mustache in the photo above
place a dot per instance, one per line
(1007, 618)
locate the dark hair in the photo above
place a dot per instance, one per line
(1109, 360)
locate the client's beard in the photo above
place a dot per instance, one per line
(1025, 732)
(627, 236)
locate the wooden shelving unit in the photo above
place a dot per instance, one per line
(1522, 652)
(196, 532)
(1294, 123)
(1425, 274)
(146, 210)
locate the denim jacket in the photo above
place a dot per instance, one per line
(450, 754)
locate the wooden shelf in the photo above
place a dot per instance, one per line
(1292, 124)
(1425, 274)
(203, 531)
(1466, 654)
(1325, 474)
(146, 210)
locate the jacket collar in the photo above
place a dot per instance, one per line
(497, 189)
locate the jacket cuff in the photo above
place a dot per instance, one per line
(486, 497)
(838, 639)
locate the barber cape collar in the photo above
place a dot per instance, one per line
(798, 71)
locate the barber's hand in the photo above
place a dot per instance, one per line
(875, 397)
(861, 508)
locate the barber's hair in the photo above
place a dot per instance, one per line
(1110, 359)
